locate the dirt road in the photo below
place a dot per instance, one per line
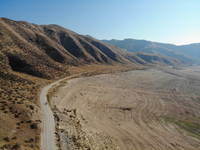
(136, 110)
(48, 139)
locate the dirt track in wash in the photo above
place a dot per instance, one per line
(136, 110)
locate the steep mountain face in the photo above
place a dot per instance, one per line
(186, 54)
(39, 50)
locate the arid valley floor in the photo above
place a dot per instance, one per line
(151, 109)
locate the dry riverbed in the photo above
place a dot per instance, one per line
(136, 110)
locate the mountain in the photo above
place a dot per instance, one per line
(147, 58)
(186, 54)
(40, 49)
(192, 50)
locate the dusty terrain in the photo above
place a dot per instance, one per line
(137, 110)
(32, 56)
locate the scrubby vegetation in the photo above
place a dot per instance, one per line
(190, 126)
(19, 109)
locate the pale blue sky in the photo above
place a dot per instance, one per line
(173, 21)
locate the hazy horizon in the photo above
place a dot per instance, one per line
(155, 41)
(174, 21)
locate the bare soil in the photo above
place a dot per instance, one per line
(153, 109)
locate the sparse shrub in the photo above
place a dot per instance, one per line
(34, 126)
(6, 139)
(31, 107)
(16, 147)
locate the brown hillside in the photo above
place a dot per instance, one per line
(46, 48)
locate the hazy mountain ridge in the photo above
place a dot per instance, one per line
(185, 53)
(147, 58)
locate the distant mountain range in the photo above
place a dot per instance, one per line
(184, 53)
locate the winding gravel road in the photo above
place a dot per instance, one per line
(48, 139)
(48, 136)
